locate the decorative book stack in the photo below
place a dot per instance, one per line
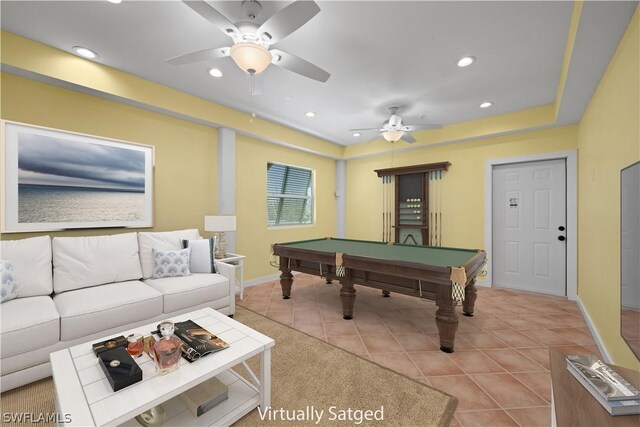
(614, 393)
(205, 396)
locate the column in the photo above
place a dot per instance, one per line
(341, 199)
(227, 179)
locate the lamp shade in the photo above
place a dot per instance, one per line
(251, 57)
(392, 135)
(220, 223)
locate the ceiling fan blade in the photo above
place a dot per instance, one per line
(207, 11)
(364, 130)
(423, 126)
(299, 65)
(408, 138)
(201, 55)
(289, 19)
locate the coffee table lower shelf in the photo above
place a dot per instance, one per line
(243, 398)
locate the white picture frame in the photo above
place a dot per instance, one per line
(57, 180)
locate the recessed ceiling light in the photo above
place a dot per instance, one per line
(466, 61)
(356, 134)
(486, 104)
(310, 114)
(214, 72)
(115, 1)
(83, 51)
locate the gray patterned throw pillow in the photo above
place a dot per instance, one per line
(171, 263)
(9, 286)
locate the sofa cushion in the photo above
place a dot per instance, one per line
(9, 289)
(89, 310)
(82, 262)
(166, 241)
(28, 323)
(184, 292)
(31, 259)
(171, 263)
(202, 259)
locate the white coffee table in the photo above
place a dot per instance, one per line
(83, 392)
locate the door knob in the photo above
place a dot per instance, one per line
(561, 228)
(561, 238)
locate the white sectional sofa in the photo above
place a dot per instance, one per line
(74, 289)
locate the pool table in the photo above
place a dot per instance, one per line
(444, 275)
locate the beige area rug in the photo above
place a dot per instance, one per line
(307, 374)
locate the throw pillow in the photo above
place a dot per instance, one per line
(171, 263)
(9, 286)
(202, 258)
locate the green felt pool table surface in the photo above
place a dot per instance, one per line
(431, 255)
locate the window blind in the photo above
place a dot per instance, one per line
(289, 195)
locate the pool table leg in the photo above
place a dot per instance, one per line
(348, 298)
(329, 281)
(446, 318)
(471, 293)
(286, 280)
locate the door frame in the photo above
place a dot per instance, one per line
(571, 160)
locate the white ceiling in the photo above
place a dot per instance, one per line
(379, 54)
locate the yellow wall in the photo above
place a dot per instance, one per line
(608, 140)
(254, 238)
(462, 187)
(185, 175)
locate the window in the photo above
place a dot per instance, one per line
(289, 195)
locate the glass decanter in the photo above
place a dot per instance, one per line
(167, 350)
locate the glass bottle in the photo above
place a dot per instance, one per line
(167, 349)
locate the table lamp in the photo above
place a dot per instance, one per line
(219, 224)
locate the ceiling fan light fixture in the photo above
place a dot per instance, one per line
(251, 57)
(392, 135)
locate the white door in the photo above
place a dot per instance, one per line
(529, 221)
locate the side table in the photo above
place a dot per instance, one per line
(237, 261)
(573, 405)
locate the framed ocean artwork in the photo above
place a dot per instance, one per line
(57, 180)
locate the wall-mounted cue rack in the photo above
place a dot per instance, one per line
(411, 210)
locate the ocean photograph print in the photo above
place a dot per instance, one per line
(57, 180)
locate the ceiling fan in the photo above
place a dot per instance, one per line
(251, 49)
(393, 129)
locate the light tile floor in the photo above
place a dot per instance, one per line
(500, 368)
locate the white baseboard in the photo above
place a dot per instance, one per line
(484, 283)
(261, 280)
(585, 314)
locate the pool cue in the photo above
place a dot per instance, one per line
(430, 210)
(386, 210)
(429, 224)
(384, 206)
(437, 195)
(434, 209)
(389, 207)
(439, 208)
